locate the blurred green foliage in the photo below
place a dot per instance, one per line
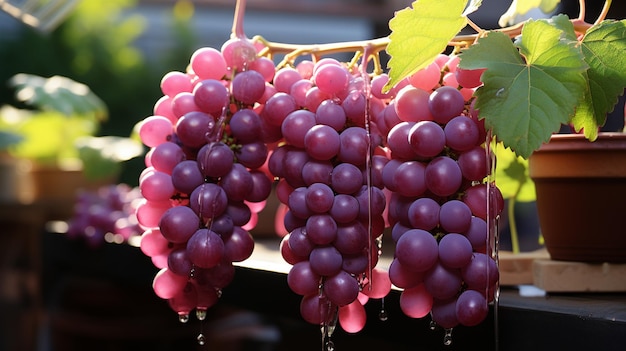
(97, 46)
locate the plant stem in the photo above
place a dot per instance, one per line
(240, 10)
(604, 12)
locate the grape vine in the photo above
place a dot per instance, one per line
(351, 151)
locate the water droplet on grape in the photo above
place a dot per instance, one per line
(330, 346)
(201, 314)
(183, 317)
(201, 339)
(447, 338)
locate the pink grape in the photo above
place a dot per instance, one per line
(412, 105)
(208, 63)
(174, 82)
(155, 130)
(427, 78)
(238, 53)
(352, 317)
(331, 79)
(416, 302)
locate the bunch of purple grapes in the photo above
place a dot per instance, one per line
(105, 215)
(204, 181)
(329, 165)
(441, 204)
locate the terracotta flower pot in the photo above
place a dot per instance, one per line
(581, 197)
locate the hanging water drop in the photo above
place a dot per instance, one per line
(330, 345)
(447, 338)
(183, 317)
(382, 315)
(201, 339)
(432, 325)
(201, 314)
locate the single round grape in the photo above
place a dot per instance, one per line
(175, 82)
(412, 105)
(377, 85)
(443, 176)
(416, 302)
(424, 213)
(285, 78)
(403, 277)
(298, 91)
(163, 107)
(331, 79)
(238, 245)
(455, 216)
(211, 96)
(157, 186)
(153, 243)
(455, 251)
(265, 66)
(476, 198)
(245, 126)
(193, 128)
(445, 103)
(398, 141)
(370, 199)
(331, 114)
(237, 183)
(469, 78)
(443, 313)
(473, 164)
(166, 284)
(351, 238)
(293, 163)
(186, 176)
(296, 125)
(471, 308)
(208, 200)
(205, 248)
(427, 78)
(341, 289)
(316, 171)
(178, 224)
(166, 156)
(325, 260)
(155, 130)
(352, 317)
(302, 280)
(299, 242)
(222, 225)
(179, 263)
(346, 178)
(208, 63)
(461, 133)
(215, 159)
(319, 198)
(248, 87)
(417, 250)
(183, 103)
(252, 155)
(314, 98)
(345, 208)
(388, 172)
(322, 142)
(305, 68)
(261, 187)
(477, 233)
(315, 310)
(354, 146)
(355, 105)
(427, 139)
(238, 53)
(442, 282)
(321, 229)
(297, 203)
(410, 178)
(480, 273)
(287, 254)
(357, 263)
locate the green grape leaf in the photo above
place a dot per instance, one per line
(521, 7)
(58, 94)
(512, 176)
(530, 88)
(604, 48)
(420, 33)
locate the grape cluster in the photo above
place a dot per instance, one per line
(106, 214)
(329, 165)
(204, 181)
(439, 205)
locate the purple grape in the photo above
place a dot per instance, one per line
(246, 126)
(455, 251)
(424, 213)
(321, 229)
(417, 250)
(248, 87)
(178, 224)
(205, 248)
(443, 176)
(215, 159)
(186, 176)
(461, 133)
(455, 216)
(325, 260)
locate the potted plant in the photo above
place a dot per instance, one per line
(52, 138)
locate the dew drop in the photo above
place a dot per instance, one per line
(382, 315)
(183, 317)
(447, 338)
(500, 92)
(201, 339)
(330, 345)
(201, 314)
(432, 325)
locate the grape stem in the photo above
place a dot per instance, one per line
(375, 46)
